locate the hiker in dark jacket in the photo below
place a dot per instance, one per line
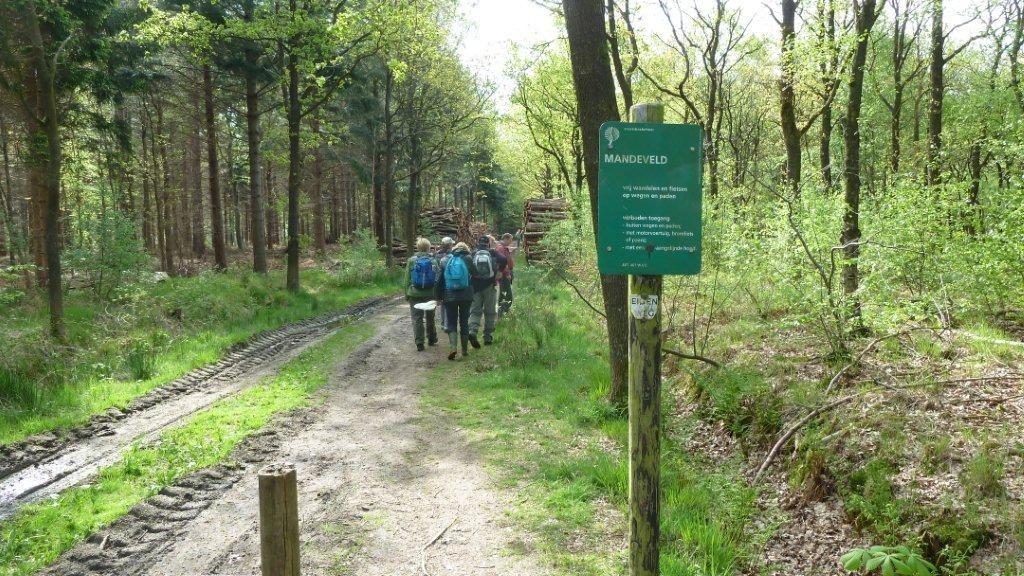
(505, 275)
(455, 289)
(442, 252)
(487, 263)
(421, 273)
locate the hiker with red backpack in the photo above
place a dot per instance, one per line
(421, 279)
(505, 275)
(487, 263)
(455, 289)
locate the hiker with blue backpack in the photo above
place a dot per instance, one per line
(487, 266)
(422, 274)
(454, 288)
(442, 252)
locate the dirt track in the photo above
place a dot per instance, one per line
(379, 480)
(50, 463)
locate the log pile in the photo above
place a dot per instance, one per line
(540, 215)
(446, 221)
(476, 230)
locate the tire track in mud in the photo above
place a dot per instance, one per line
(48, 463)
(139, 539)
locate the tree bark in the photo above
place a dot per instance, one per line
(936, 88)
(195, 169)
(787, 97)
(50, 163)
(317, 192)
(595, 96)
(252, 117)
(865, 15)
(220, 257)
(294, 161)
(389, 172)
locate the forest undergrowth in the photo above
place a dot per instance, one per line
(153, 330)
(899, 424)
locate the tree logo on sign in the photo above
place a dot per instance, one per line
(611, 135)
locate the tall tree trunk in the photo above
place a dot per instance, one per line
(252, 117)
(49, 163)
(294, 161)
(220, 257)
(850, 238)
(147, 209)
(317, 192)
(974, 191)
(829, 70)
(596, 103)
(787, 96)
(936, 88)
(389, 172)
(198, 225)
(166, 221)
(14, 241)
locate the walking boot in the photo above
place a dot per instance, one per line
(474, 341)
(453, 346)
(465, 345)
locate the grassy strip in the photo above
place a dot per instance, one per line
(41, 532)
(535, 406)
(154, 335)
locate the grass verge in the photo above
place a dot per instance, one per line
(40, 532)
(534, 405)
(150, 336)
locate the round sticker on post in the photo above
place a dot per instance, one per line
(643, 307)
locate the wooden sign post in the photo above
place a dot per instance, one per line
(649, 224)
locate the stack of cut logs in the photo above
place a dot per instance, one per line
(540, 215)
(446, 221)
(476, 230)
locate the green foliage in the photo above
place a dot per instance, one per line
(982, 476)
(872, 501)
(109, 255)
(887, 561)
(744, 401)
(10, 294)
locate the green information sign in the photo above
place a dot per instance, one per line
(649, 211)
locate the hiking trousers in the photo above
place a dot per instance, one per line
(504, 296)
(484, 306)
(423, 323)
(457, 322)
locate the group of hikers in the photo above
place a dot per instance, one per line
(470, 287)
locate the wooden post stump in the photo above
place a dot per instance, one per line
(279, 520)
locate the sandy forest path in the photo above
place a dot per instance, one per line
(379, 476)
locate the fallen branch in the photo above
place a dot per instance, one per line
(785, 438)
(423, 552)
(696, 357)
(796, 427)
(859, 357)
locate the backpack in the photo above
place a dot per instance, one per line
(456, 273)
(423, 274)
(484, 264)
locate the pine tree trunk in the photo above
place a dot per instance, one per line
(252, 117)
(294, 164)
(220, 257)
